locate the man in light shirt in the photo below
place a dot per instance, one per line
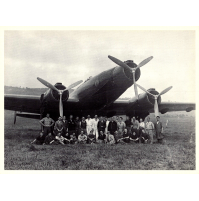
(82, 138)
(135, 126)
(95, 123)
(150, 129)
(47, 123)
(89, 124)
(107, 123)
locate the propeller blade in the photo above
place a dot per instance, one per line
(135, 86)
(144, 89)
(118, 62)
(60, 106)
(144, 62)
(165, 90)
(156, 109)
(47, 84)
(73, 85)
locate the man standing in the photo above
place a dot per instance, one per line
(135, 126)
(128, 123)
(101, 125)
(89, 124)
(112, 126)
(65, 125)
(83, 124)
(149, 129)
(121, 125)
(95, 123)
(77, 127)
(142, 129)
(107, 123)
(158, 129)
(47, 123)
(71, 125)
(59, 126)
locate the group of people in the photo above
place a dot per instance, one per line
(98, 130)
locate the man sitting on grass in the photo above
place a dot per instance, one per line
(125, 138)
(73, 139)
(134, 137)
(91, 137)
(101, 137)
(49, 139)
(59, 139)
(39, 139)
(117, 136)
(144, 138)
(82, 138)
(109, 138)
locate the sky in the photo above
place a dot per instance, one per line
(68, 56)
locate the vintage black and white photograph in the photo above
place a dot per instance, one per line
(99, 99)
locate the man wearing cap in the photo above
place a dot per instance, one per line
(158, 129)
(47, 123)
(150, 129)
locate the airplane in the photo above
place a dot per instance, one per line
(97, 95)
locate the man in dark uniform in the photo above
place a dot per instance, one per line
(47, 124)
(49, 139)
(101, 125)
(158, 129)
(134, 137)
(125, 137)
(112, 126)
(77, 127)
(39, 140)
(128, 124)
(101, 137)
(65, 125)
(71, 125)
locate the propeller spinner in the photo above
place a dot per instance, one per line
(156, 109)
(133, 70)
(60, 92)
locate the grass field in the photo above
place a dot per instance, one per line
(178, 152)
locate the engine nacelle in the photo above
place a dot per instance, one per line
(147, 99)
(52, 95)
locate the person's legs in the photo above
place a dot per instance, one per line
(151, 136)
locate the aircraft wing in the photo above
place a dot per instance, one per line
(170, 107)
(24, 103)
(124, 106)
(29, 103)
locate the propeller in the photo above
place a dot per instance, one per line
(156, 109)
(60, 92)
(133, 70)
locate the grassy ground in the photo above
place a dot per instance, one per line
(178, 152)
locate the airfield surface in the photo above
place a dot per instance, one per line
(177, 153)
